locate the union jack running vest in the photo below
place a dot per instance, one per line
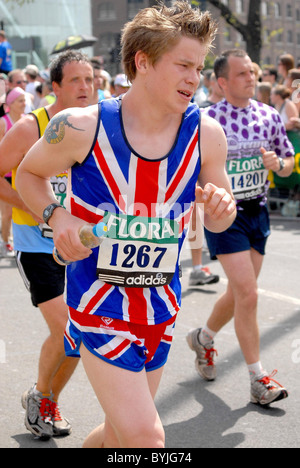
(147, 206)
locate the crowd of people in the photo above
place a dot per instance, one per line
(123, 334)
(276, 86)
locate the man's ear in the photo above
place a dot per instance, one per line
(55, 87)
(141, 61)
(222, 82)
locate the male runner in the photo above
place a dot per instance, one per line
(72, 79)
(134, 161)
(257, 143)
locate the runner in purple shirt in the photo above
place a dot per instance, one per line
(257, 143)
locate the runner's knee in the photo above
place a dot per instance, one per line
(144, 435)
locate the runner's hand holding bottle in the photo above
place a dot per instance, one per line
(91, 236)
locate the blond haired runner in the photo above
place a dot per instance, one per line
(134, 162)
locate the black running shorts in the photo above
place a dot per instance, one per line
(42, 276)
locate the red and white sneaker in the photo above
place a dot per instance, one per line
(61, 426)
(266, 390)
(204, 361)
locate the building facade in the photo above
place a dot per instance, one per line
(33, 40)
(109, 17)
(280, 27)
(33, 27)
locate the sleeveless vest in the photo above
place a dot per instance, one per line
(147, 205)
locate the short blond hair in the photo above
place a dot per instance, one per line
(157, 29)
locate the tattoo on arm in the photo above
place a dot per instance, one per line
(56, 129)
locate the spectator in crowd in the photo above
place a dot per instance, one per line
(263, 92)
(257, 72)
(47, 94)
(100, 91)
(200, 94)
(5, 54)
(121, 85)
(292, 82)
(215, 93)
(285, 63)
(270, 75)
(206, 80)
(3, 90)
(280, 98)
(32, 74)
(17, 78)
(15, 100)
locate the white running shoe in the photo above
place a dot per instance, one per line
(204, 362)
(264, 392)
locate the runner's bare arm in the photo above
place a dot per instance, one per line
(13, 147)
(215, 192)
(67, 140)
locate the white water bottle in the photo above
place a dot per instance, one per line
(91, 236)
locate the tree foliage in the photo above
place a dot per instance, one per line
(251, 31)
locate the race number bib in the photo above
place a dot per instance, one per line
(248, 177)
(138, 252)
(59, 185)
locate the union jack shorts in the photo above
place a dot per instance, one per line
(128, 345)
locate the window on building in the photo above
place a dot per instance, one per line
(240, 6)
(289, 11)
(266, 9)
(134, 6)
(107, 41)
(228, 34)
(277, 10)
(267, 35)
(279, 37)
(290, 37)
(106, 11)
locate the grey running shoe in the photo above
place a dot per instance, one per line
(264, 392)
(38, 419)
(202, 277)
(61, 426)
(204, 362)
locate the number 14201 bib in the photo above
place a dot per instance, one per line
(138, 252)
(248, 177)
